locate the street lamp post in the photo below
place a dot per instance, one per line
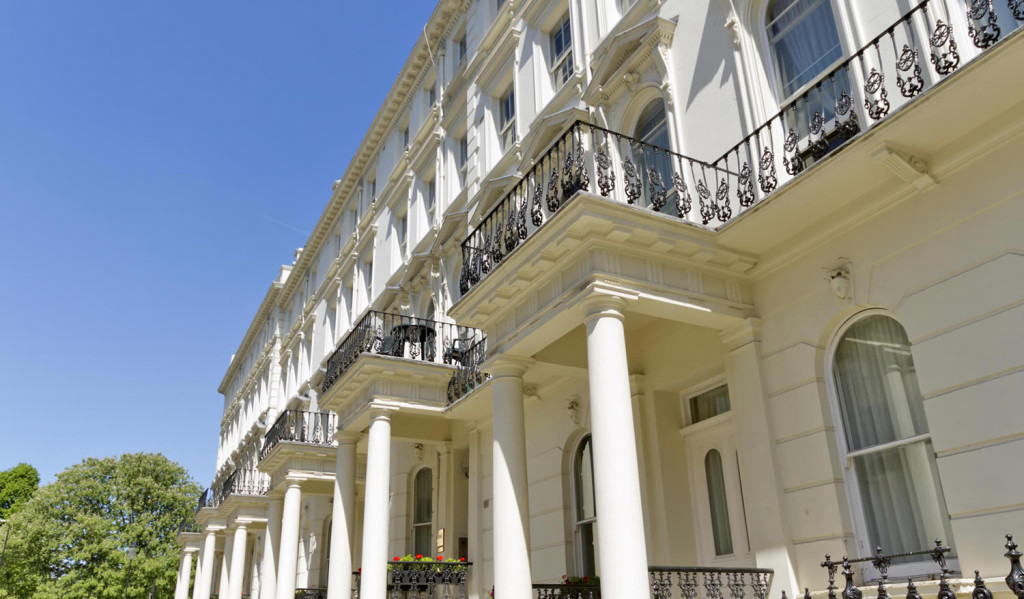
(133, 550)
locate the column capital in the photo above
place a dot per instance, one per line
(292, 481)
(507, 366)
(602, 302)
(743, 332)
(346, 438)
(379, 411)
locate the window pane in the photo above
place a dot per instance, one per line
(587, 541)
(585, 509)
(422, 542)
(720, 528)
(710, 403)
(877, 384)
(805, 40)
(424, 490)
(902, 499)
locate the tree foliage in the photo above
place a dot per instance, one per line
(16, 487)
(70, 540)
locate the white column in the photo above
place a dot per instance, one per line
(271, 544)
(196, 586)
(376, 508)
(184, 574)
(762, 490)
(475, 508)
(289, 551)
(339, 581)
(237, 566)
(225, 567)
(512, 579)
(622, 546)
(206, 558)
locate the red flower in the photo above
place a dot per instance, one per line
(440, 558)
(565, 577)
(360, 570)
(586, 578)
(395, 558)
(462, 559)
(419, 556)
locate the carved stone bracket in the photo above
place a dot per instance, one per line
(912, 169)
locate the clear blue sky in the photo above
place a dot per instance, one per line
(158, 162)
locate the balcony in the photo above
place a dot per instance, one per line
(871, 87)
(416, 580)
(406, 338)
(467, 375)
(297, 426)
(242, 482)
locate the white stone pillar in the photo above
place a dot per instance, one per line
(512, 579)
(339, 581)
(206, 558)
(622, 546)
(236, 570)
(474, 518)
(184, 574)
(225, 567)
(271, 545)
(289, 550)
(376, 508)
(762, 490)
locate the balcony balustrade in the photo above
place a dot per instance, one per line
(914, 54)
(311, 593)
(205, 500)
(242, 482)
(188, 525)
(400, 336)
(298, 426)
(713, 583)
(467, 371)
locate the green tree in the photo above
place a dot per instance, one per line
(16, 486)
(70, 540)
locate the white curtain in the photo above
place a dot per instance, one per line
(805, 39)
(880, 403)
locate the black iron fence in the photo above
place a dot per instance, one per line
(881, 562)
(313, 428)
(188, 525)
(566, 591)
(315, 593)
(467, 374)
(242, 482)
(400, 336)
(911, 56)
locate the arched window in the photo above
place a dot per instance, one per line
(887, 441)
(719, 504)
(652, 129)
(584, 513)
(423, 512)
(804, 39)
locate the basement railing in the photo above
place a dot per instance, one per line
(399, 336)
(298, 426)
(676, 582)
(908, 58)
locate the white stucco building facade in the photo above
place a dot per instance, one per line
(613, 287)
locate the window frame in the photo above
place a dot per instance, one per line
(507, 118)
(557, 68)
(786, 99)
(429, 523)
(861, 537)
(585, 441)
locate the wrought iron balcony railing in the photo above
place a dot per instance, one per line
(400, 336)
(586, 158)
(312, 428)
(684, 582)
(206, 500)
(242, 482)
(917, 52)
(188, 525)
(413, 580)
(467, 374)
(315, 593)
